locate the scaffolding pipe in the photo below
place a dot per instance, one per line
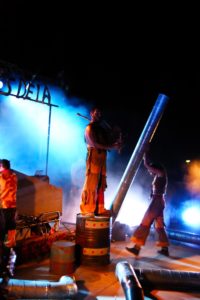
(65, 288)
(129, 281)
(135, 160)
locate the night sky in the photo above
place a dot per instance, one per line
(119, 63)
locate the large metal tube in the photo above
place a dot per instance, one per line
(134, 281)
(168, 280)
(129, 281)
(135, 160)
(65, 288)
(183, 236)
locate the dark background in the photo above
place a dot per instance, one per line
(119, 58)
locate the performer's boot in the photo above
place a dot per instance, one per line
(134, 250)
(11, 262)
(164, 251)
(8, 263)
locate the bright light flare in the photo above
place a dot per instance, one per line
(191, 216)
(134, 206)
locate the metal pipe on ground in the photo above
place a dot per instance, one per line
(135, 160)
(168, 280)
(135, 281)
(65, 288)
(129, 281)
(183, 236)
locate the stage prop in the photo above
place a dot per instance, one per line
(162, 279)
(36, 195)
(135, 160)
(65, 288)
(26, 86)
(129, 281)
(39, 206)
(93, 240)
(39, 247)
(134, 281)
(62, 258)
(184, 237)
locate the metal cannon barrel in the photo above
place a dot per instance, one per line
(135, 160)
(129, 281)
(168, 279)
(136, 280)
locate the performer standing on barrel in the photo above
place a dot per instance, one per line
(99, 138)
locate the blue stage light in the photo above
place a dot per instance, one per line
(191, 216)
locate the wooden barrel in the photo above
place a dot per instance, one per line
(62, 258)
(93, 235)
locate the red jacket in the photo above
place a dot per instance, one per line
(8, 189)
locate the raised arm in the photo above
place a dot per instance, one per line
(151, 167)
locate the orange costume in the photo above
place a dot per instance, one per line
(8, 190)
(98, 137)
(154, 213)
(95, 180)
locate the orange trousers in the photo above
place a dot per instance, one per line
(92, 196)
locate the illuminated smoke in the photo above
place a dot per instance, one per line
(24, 132)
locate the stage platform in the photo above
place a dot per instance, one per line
(101, 282)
